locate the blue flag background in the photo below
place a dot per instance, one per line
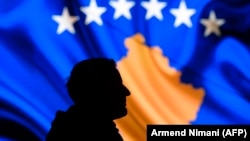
(40, 41)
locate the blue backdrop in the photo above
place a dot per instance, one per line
(40, 41)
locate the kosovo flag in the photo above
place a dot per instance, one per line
(184, 61)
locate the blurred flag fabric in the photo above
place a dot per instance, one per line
(184, 61)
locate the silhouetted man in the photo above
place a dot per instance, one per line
(99, 97)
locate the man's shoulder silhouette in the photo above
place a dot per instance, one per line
(72, 125)
(99, 97)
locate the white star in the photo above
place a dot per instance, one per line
(212, 24)
(182, 15)
(93, 13)
(65, 21)
(122, 8)
(154, 8)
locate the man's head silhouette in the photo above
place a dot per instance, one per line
(99, 97)
(97, 84)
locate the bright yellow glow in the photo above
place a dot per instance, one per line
(157, 95)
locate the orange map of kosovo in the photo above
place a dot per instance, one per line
(157, 94)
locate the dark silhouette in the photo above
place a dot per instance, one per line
(99, 97)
